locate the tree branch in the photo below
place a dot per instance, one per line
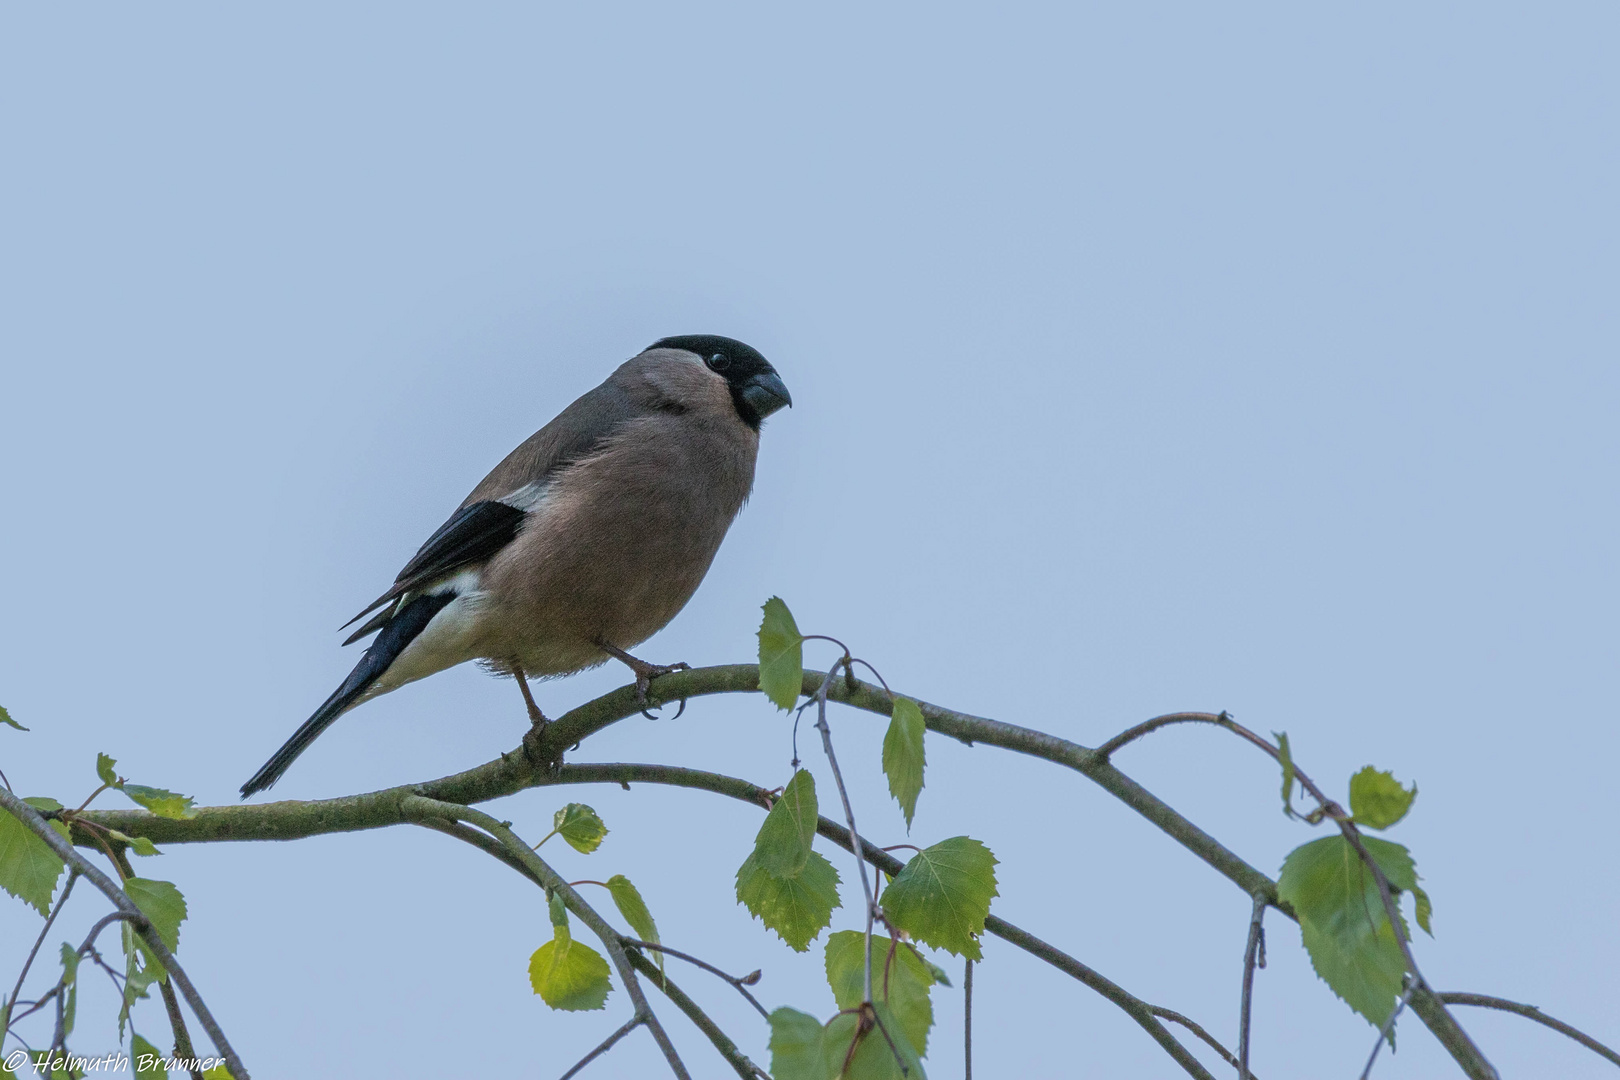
(421, 807)
(607, 1044)
(1530, 1012)
(1192, 1026)
(65, 851)
(1251, 954)
(722, 1042)
(514, 772)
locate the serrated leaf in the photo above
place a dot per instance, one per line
(796, 908)
(901, 981)
(634, 909)
(903, 756)
(943, 894)
(781, 655)
(70, 986)
(1288, 772)
(160, 801)
(162, 905)
(5, 718)
(138, 844)
(782, 845)
(580, 826)
(873, 1058)
(146, 1059)
(796, 1046)
(1425, 909)
(1377, 799)
(568, 975)
(29, 869)
(104, 770)
(1343, 922)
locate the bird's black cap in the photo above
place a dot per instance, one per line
(756, 389)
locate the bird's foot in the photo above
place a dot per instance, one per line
(645, 674)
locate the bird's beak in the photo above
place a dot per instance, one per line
(766, 393)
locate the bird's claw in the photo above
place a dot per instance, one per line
(535, 749)
(647, 673)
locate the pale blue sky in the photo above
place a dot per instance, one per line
(1157, 356)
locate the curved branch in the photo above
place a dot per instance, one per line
(513, 772)
(143, 926)
(421, 807)
(1530, 1012)
(722, 1042)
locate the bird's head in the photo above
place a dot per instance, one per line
(756, 389)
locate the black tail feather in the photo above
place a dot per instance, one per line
(399, 632)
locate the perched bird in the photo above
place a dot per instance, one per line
(583, 543)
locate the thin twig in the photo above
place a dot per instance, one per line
(1132, 734)
(1529, 1012)
(56, 909)
(171, 1004)
(738, 1060)
(607, 1044)
(1198, 1030)
(513, 772)
(722, 1042)
(422, 807)
(967, 1022)
(1251, 953)
(143, 926)
(1387, 1032)
(849, 816)
(741, 986)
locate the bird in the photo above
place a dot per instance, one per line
(582, 543)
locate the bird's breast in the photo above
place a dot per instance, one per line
(618, 544)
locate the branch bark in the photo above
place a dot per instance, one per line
(512, 772)
(65, 851)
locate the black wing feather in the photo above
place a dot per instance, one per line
(472, 534)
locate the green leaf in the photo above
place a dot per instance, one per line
(163, 906)
(782, 845)
(568, 975)
(1288, 772)
(901, 981)
(579, 825)
(803, 1049)
(1377, 799)
(943, 895)
(29, 868)
(5, 718)
(796, 908)
(138, 844)
(634, 909)
(796, 1046)
(70, 986)
(1343, 922)
(781, 655)
(146, 1058)
(873, 1059)
(218, 1072)
(903, 757)
(160, 801)
(1425, 909)
(104, 770)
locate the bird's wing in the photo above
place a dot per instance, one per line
(492, 515)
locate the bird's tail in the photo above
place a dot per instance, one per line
(397, 633)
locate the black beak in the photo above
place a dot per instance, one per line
(765, 393)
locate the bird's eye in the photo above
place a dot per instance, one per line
(719, 362)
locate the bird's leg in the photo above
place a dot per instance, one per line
(537, 719)
(645, 672)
